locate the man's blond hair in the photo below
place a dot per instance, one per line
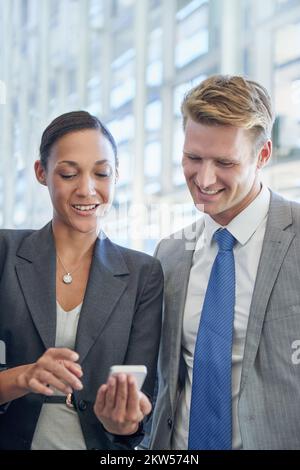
(231, 101)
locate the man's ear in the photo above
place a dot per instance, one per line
(264, 154)
(40, 172)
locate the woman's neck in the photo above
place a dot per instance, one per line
(72, 245)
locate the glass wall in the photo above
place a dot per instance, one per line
(130, 62)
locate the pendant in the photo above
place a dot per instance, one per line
(67, 278)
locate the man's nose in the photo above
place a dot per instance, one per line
(206, 175)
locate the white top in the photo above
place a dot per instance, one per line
(248, 228)
(58, 426)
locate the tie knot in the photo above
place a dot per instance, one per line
(224, 239)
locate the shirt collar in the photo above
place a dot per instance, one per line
(243, 226)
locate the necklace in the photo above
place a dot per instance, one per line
(67, 278)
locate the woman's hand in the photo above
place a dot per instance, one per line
(56, 368)
(120, 406)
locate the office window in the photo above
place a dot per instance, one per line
(122, 69)
(283, 4)
(287, 91)
(153, 115)
(123, 89)
(155, 67)
(153, 160)
(53, 91)
(123, 133)
(192, 34)
(287, 44)
(120, 7)
(178, 135)
(54, 13)
(96, 14)
(122, 129)
(24, 12)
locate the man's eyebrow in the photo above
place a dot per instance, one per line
(225, 158)
(191, 153)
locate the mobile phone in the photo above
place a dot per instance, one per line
(139, 372)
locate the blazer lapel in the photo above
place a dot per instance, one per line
(36, 273)
(275, 246)
(107, 281)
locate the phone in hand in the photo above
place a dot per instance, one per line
(139, 372)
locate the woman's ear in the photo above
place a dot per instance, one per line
(40, 172)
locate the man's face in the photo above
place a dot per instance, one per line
(220, 168)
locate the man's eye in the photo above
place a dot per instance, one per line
(103, 175)
(192, 157)
(228, 164)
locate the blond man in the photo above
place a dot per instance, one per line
(229, 368)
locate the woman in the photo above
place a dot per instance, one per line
(72, 304)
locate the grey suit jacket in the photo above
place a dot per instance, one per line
(120, 323)
(269, 399)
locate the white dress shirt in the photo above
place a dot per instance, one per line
(58, 427)
(248, 228)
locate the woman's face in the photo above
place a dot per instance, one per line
(81, 176)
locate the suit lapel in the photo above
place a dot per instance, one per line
(177, 304)
(177, 279)
(36, 273)
(276, 243)
(107, 281)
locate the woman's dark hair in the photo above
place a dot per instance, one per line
(72, 122)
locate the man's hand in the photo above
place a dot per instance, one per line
(120, 406)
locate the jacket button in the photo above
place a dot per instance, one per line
(170, 422)
(82, 405)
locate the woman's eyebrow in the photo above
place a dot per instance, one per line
(68, 162)
(72, 163)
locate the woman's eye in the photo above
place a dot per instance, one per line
(67, 176)
(104, 174)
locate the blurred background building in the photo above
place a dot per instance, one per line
(130, 62)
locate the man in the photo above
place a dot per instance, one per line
(229, 374)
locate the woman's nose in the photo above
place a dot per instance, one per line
(86, 187)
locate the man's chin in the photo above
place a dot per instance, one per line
(209, 209)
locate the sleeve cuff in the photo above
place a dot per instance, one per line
(127, 441)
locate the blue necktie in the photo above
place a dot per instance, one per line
(211, 410)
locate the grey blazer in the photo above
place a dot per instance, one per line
(269, 400)
(120, 323)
